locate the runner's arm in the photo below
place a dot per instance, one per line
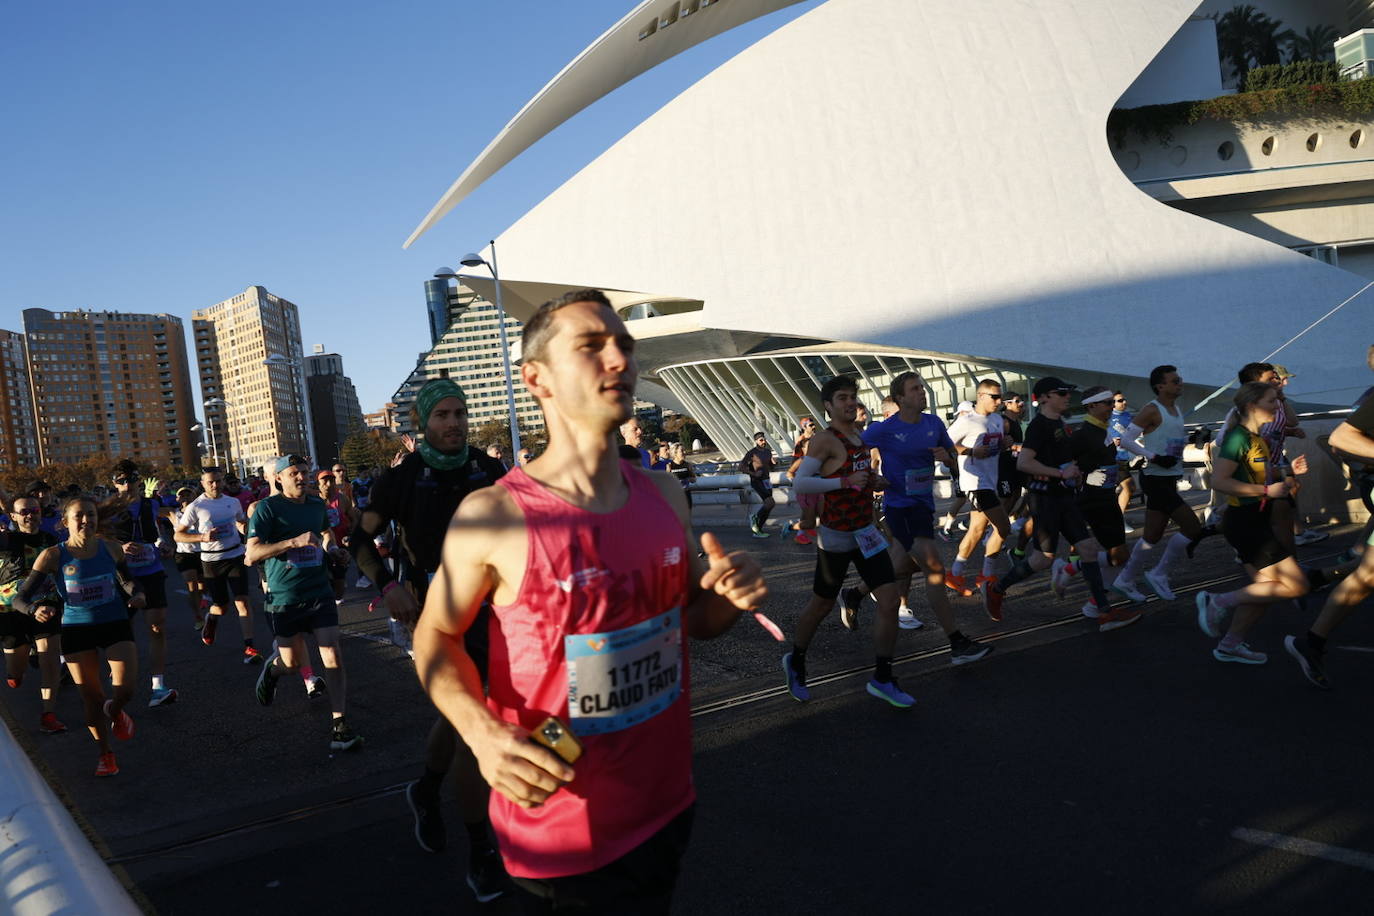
(133, 592)
(364, 548)
(1224, 481)
(1348, 440)
(44, 566)
(1026, 463)
(259, 550)
(513, 765)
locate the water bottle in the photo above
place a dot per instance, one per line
(400, 637)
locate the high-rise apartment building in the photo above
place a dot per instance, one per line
(248, 354)
(333, 404)
(18, 429)
(111, 383)
(469, 352)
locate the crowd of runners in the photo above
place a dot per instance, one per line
(550, 603)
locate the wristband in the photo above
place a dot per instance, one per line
(389, 586)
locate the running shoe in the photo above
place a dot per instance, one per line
(486, 875)
(162, 696)
(958, 584)
(1159, 581)
(1311, 661)
(1241, 653)
(49, 724)
(1090, 610)
(204, 603)
(992, 601)
(1116, 618)
(107, 766)
(1126, 589)
(1308, 536)
(804, 538)
(943, 534)
(760, 533)
(1058, 580)
(207, 635)
(968, 652)
(850, 599)
(363, 581)
(754, 522)
(14, 682)
(981, 579)
(429, 821)
(266, 688)
(796, 683)
(200, 623)
(907, 619)
(892, 692)
(314, 688)
(251, 656)
(1209, 615)
(123, 726)
(343, 738)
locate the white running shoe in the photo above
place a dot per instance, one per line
(907, 619)
(363, 582)
(1126, 588)
(1159, 581)
(1090, 610)
(1058, 581)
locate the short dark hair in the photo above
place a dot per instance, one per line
(898, 386)
(535, 337)
(836, 384)
(1250, 372)
(1157, 375)
(987, 384)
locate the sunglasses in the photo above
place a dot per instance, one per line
(124, 479)
(28, 512)
(1118, 400)
(995, 397)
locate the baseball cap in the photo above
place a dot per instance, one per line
(964, 407)
(1050, 383)
(321, 475)
(286, 461)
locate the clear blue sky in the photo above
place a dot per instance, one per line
(161, 156)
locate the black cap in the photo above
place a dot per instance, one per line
(1050, 383)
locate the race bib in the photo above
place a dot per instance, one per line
(920, 483)
(624, 677)
(993, 443)
(871, 541)
(304, 557)
(1175, 447)
(90, 592)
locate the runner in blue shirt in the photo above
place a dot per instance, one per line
(908, 443)
(1118, 424)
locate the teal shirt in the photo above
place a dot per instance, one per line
(302, 573)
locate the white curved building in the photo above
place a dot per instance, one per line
(884, 184)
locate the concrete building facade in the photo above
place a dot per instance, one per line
(114, 383)
(18, 428)
(333, 404)
(253, 411)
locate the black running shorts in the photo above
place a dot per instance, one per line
(154, 587)
(287, 620)
(984, 500)
(1103, 514)
(831, 566)
(17, 628)
(225, 580)
(1251, 533)
(1056, 515)
(907, 523)
(1161, 493)
(95, 636)
(187, 562)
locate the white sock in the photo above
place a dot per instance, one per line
(1139, 555)
(958, 567)
(157, 682)
(1176, 547)
(903, 606)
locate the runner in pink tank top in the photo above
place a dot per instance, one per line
(594, 586)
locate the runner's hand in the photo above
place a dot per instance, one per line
(735, 576)
(400, 604)
(138, 602)
(44, 612)
(150, 487)
(515, 766)
(858, 480)
(1276, 490)
(1299, 464)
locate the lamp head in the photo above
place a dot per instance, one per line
(472, 260)
(445, 273)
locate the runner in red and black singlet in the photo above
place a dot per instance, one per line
(837, 464)
(588, 615)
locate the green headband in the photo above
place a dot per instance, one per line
(434, 391)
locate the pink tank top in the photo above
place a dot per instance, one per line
(596, 637)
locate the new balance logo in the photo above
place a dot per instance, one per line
(582, 578)
(672, 556)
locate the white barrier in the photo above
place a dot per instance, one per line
(47, 866)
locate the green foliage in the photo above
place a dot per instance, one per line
(1315, 43)
(1297, 73)
(371, 448)
(1247, 38)
(1306, 103)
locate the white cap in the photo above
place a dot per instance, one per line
(964, 407)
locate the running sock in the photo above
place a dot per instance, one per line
(1318, 643)
(1102, 559)
(1226, 599)
(1019, 524)
(1092, 574)
(882, 668)
(1229, 642)
(1020, 570)
(957, 639)
(989, 565)
(307, 673)
(1202, 535)
(248, 643)
(957, 568)
(798, 660)
(157, 681)
(429, 783)
(1139, 555)
(1177, 547)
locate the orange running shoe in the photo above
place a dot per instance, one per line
(107, 765)
(123, 726)
(958, 584)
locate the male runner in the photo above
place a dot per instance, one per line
(978, 438)
(135, 518)
(420, 496)
(1353, 438)
(594, 586)
(216, 521)
(837, 465)
(342, 515)
(1158, 435)
(946, 529)
(632, 431)
(1119, 422)
(289, 532)
(758, 464)
(908, 444)
(1047, 459)
(19, 547)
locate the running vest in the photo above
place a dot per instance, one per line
(338, 521)
(137, 524)
(847, 509)
(1168, 438)
(89, 588)
(596, 637)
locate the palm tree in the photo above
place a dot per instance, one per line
(1247, 38)
(1315, 43)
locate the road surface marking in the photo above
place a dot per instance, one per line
(1302, 847)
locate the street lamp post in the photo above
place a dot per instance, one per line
(210, 428)
(472, 260)
(291, 362)
(233, 439)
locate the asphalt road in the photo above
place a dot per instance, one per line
(1071, 770)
